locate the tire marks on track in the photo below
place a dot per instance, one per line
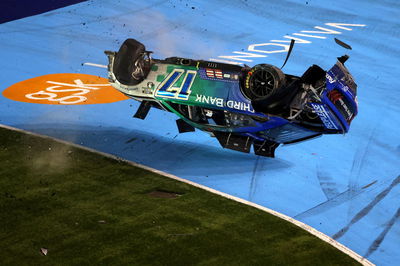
(367, 209)
(329, 204)
(377, 242)
(359, 161)
(327, 184)
(252, 188)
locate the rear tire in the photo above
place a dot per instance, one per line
(262, 81)
(126, 61)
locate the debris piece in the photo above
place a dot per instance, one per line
(44, 251)
(102, 222)
(343, 44)
(370, 184)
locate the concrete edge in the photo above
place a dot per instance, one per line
(302, 225)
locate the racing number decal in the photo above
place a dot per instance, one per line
(187, 84)
(167, 89)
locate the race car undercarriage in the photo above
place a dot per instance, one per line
(286, 102)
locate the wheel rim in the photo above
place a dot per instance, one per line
(262, 83)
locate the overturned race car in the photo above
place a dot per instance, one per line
(241, 106)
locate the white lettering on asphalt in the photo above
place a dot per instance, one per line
(241, 57)
(322, 31)
(252, 48)
(340, 25)
(79, 89)
(308, 35)
(298, 40)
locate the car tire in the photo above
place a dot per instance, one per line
(262, 81)
(125, 62)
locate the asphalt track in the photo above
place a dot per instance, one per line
(345, 186)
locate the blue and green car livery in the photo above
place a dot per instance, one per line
(243, 107)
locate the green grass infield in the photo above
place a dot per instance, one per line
(86, 209)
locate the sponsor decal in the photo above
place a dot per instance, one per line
(220, 102)
(210, 73)
(323, 114)
(218, 75)
(338, 100)
(248, 76)
(64, 89)
(346, 110)
(330, 78)
(214, 73)
(210, 100)
(240, 106)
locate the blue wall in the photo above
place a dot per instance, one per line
(17, 9)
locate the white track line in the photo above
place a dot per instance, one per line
(95, 65)
(304, 226)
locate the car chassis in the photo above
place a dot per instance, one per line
(241, 106)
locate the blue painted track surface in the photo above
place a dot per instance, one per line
(345, 186)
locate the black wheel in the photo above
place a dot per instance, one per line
(262, 81)
(130, 67)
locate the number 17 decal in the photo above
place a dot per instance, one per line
(167, 90)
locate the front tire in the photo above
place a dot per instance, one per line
(262, 81)
(129, 63)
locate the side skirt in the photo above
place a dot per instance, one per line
(143, 110)
(234, 142)
(265, 148)
(183, 126)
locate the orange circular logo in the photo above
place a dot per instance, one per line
(65, 89)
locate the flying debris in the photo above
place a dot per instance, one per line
(343, 44)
